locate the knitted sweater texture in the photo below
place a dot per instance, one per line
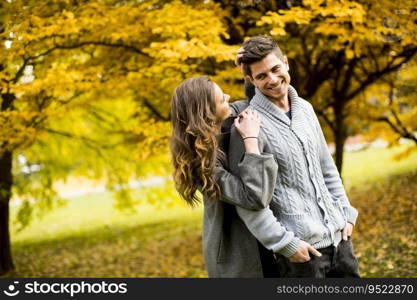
(309, 201)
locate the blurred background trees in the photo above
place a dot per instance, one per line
(86, 90)
(340, 48)
(86, 85)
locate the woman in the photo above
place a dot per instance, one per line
(199, 107)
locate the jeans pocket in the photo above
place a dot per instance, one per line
(300, 269)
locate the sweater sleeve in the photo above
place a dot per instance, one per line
(331, 174)
(269, 232)
(262, 223)
(253, 190)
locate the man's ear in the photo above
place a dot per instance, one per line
(250, 79)
(285, 61)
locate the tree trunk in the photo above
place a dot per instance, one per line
(339, 152)
(340, 135)
(6, 181)
(6, 261)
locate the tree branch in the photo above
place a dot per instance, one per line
(155, 112)
(407, 54)
(19, 72)
(348, 75)
(326, 119)
(91, 143)
(89, 43)
(402, 131)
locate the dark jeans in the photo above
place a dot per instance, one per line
(337, 261)
(269, 263)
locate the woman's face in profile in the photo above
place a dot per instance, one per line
(222, 103)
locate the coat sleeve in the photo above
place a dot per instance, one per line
(262, 223)
(254, 189)
(331, 174)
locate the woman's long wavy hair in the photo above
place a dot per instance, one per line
(194, 145)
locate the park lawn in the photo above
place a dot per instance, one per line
(374, 165)
(89, 238)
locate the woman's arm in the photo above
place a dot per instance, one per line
(261, 223)
(253, 190)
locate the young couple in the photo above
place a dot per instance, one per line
(274, 203)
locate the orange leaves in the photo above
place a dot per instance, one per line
(183, 32)
(345, 23)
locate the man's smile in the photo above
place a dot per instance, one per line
(277, 86)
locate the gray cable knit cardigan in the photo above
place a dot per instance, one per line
(309, 201)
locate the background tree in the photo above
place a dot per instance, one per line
(338, 49)
(86, 85)
(98, 74)
(392, 108)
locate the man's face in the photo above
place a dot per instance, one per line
(271, 77)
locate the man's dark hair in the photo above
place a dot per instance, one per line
(256, 49)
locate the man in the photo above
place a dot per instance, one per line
(309, 221)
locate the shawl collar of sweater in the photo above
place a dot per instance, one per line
(269, 108)
(297, 123)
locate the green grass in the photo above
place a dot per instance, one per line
(375, 164)
(89, 238)
(82, 215)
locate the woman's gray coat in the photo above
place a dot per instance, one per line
(230, 250)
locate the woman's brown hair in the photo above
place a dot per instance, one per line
(194, 139)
